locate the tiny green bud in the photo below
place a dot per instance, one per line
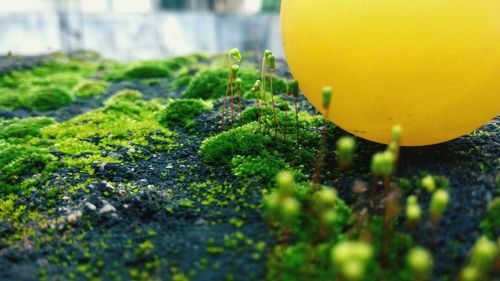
(376, 165)
(349, 250)
(429, 183)
(267, 53)
(327, 96)
(341, 253)
(235, 69)
(470, 273)
(420, 262)
(345, 151)
(235, 53)
(412, 199)
(290, 209)
(362, 251)
(383, 163)
(352, 258)
(325, 198)
(353, 270)
(256, 86)
(388, 163)
(271, 62)
(396, 133)
(293, 87)
(483, 253)
(238, 84)
(413, 213)
(286, 183)
(439, 202)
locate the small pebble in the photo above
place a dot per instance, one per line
(107, 207)
(74, 217)
(90, 206)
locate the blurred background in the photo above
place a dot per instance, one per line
(139, 29)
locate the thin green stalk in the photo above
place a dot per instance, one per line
(263, 91)
(274, 106)
(232, 106)
(286, 112)
(296, 105)
(241, 107)
(229, 84)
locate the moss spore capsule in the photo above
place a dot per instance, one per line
(396, 133)
(420, 262)
(345, 151)
(428, 183)
(290, 209)
(235, 69)
(439, 202)
(293, 86)
(327, 96)
(235, 53)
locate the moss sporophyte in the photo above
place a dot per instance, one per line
(233, 54)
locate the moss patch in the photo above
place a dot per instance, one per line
(17, 130)
(212, 83)
(21, 162)
(126, 121)
(181, 113)
(45, 87)
(49, 98)
(89, 88)
(142, 70)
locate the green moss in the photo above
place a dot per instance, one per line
(49, 98)
(89, 88)
(9, 99)
(212, 83)
(249, 140)
(240, 141)
(21, 130)
(124, 121)
(141, 70)
(19, 162)
(316, 229)
(178, 62)
(62, 80)
(181, 112)
(45, 87)
(263, 167)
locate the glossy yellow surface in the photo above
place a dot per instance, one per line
(432, 66)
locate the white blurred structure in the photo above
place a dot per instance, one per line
(136, 29)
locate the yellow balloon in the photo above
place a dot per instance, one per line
(432, 66)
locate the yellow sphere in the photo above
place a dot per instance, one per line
(432, 66)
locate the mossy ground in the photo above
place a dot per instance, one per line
(121, 171)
